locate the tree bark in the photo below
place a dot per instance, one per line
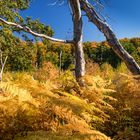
(110, 36)
(78, 39)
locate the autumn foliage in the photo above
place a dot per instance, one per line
(52, 106)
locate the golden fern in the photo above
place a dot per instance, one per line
(13, 91)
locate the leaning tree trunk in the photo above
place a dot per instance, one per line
(110, 36)
(78, 37)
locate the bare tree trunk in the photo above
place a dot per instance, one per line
(110, 36)
(2, 64)
(60, 62)
(78, 38)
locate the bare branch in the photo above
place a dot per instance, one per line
(54, 3)
(59, 2)
(28, 30)
(110, 36)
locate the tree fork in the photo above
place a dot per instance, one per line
(110, 36)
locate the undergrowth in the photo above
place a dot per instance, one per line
(52, 107)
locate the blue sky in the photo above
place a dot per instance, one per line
(124, 18)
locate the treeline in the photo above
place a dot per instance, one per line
(103, 53)
(29, 55)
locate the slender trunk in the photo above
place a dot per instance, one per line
(60, 62)
(78, 38)
(2, 64)
(110, 36)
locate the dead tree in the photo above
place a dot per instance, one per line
(110, 36)
(78, 39)
(77, 6)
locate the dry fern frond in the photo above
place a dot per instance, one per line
(13, 91)
(44, 106)
(43, 135)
